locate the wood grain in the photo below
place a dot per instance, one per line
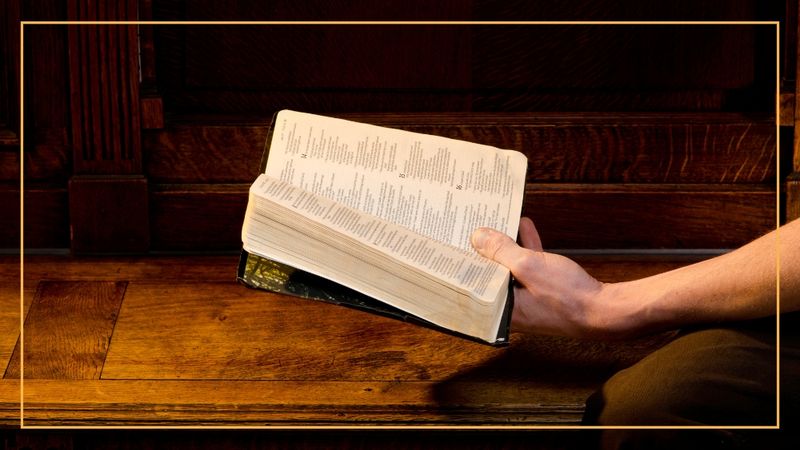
(227, 331)
(589, 216)
(47, 159)
(577, 147)
(152, 113)
(10, 304)
(232, 402)
(786, 108)
(9, 403)
(650, 216)
(191, 346)
(68, 330)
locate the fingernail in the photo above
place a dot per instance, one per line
(479, 237)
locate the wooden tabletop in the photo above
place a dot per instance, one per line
(175, 340)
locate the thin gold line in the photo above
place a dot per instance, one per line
(493, 23)
(777, 225)
(21, 222)
(384, 22)
(416, 427)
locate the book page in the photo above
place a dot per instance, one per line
(439, 187)
(457, 267)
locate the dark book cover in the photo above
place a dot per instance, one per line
(261, 273)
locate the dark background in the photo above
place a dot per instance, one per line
(639, 137)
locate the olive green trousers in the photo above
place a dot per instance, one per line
(720, 377)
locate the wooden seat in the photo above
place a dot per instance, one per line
(177, 341)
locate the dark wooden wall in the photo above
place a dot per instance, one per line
(145, 139)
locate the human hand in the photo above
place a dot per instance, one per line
(554, 295)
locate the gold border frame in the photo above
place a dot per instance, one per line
(23, 23)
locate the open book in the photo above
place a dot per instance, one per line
(381, 218)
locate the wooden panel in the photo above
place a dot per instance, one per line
(9, 69)
(606, 57)
(367, 68)
(353, 57)
(50, 159)
(265, 103)
(631, 148)
(108, 214)
(197, 217)
(46, 217)
(204, 153)
(492, 68)
(68, 330)
(47, 121)
(650, 216)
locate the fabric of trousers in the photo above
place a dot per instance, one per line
(722, 376)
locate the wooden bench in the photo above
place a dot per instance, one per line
(177, 341)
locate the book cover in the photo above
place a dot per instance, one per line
(261, 273)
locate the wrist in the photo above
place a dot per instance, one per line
(627, 310)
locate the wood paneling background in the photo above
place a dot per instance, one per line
(632, 123)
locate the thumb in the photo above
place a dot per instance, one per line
(496, 246)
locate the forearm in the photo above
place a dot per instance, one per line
(736, 286)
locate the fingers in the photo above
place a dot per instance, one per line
(497, 246)
(528, 235)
